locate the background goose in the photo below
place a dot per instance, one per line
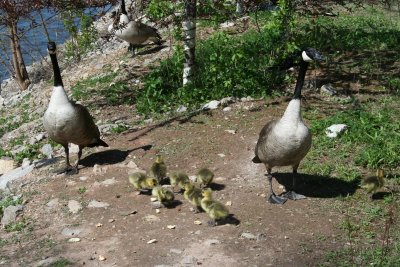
(67, 122)
(285, 142)
(133, 32)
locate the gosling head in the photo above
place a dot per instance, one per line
(189, 186)
(152, 182)
(159, 159)
(207, 193)
(311, 54)
(380, 173)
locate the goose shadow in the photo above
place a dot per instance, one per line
(112, 156)
(231, 219)
(318, 186)
(175, 203)
(151, 50)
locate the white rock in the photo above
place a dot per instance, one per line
(227, 109)
(7, 165)
(74, 239)
(181, 109)
(73, 149)
(47, 150)
(231, 131)
(14, 175)
(227, 24)
(176, 251)
(335, 129)
(97, 204)
(227, 100)
(10, 214)
(328, 89)
(74, 206)
(152, 241)
(214, 104)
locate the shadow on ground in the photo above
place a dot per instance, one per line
(318, 186)
(112, 156)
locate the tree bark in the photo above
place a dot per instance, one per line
(189, 40)
(20, 71)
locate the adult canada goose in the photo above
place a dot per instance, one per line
(285, 141)
(133, 32)
(68, 122)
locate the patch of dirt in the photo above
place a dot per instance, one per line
(285, 235)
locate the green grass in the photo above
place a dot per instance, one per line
(371, 141)
(104, 89)
(61, 263)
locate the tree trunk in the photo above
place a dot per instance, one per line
(239, 7)
(20, 71)
(189, 40)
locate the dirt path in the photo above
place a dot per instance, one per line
(293, 234)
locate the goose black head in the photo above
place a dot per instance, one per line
(51, 47)
(311, 54)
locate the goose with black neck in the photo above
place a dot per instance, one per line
(133, 32)
(286, 141)
(66, 121)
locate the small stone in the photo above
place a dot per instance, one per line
(229, 203)
(71, 231)
(83, 178)
(231, 131)
(74, 206)
(99, 224)
(111, 220)
(132, 165)
(153, 199)
(197, 222)
(74, 239)
(226, 109)
(158, 211)
(152, 241)
(221, 155)
(171, 226)
(261, 237)
(262, 195)
(102, 258)
(248, 236)
(53, 203)
(98, 204)
(286, 237)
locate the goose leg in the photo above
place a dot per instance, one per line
(291, 194)
(132, 49)
(68, 168)
(272, 198)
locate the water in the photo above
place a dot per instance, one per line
(34, 42)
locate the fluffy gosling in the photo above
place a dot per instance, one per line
(204, 177)
(179, 179)
(163, 195)
(158, 170)
(140, 181)
(216, 210)
(374, 182)
(193, 195)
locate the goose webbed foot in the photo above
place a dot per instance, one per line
(274, 199)
(293, 195)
